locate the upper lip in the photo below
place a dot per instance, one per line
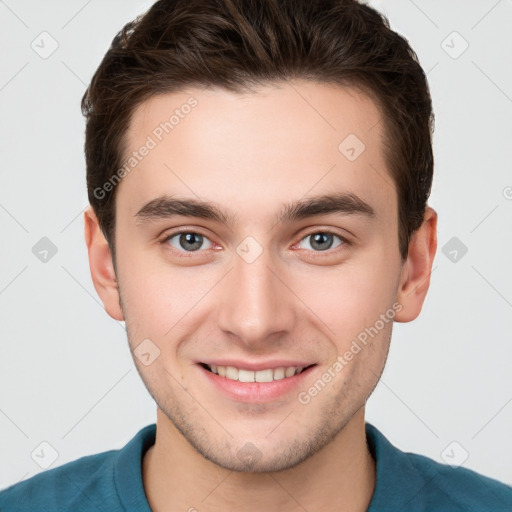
(258, 365)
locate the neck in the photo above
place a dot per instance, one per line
(339, 477)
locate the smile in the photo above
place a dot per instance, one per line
(266, 375)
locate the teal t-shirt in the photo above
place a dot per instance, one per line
(112, 482)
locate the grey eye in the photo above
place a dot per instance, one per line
(187, 241)
(322, 241)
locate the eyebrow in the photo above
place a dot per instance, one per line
(166, 206)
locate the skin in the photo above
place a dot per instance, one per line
(250, 153)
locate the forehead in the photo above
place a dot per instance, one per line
(254, 150)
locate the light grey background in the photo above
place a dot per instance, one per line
(66, 374)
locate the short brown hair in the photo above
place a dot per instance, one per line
(238, 43)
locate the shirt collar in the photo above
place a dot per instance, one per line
(397, 482)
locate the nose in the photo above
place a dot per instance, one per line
(255, 305)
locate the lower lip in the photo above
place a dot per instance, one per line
(256, 392)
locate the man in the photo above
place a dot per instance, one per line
(258, 173)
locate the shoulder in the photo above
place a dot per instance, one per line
(418, 483)
(466, 489)
(64, 486)
(103, 481)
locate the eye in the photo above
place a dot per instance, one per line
(323, 240)
(191, 241)
(187, 241)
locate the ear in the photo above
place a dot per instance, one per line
(416, 270)
(101, 265)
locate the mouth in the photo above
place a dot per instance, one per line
(265, 375)
(260, 384)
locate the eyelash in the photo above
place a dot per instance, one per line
(344, 241)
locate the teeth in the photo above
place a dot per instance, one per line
(245, 376)
(264, 376)
(290, 371)
(232, 373)
(279, 373)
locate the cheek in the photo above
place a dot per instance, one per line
(350, 297)
(158, 297)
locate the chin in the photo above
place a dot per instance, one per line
(262, 454)
(250, 459)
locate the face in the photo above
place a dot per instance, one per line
(263, 282)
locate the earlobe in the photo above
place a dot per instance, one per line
(101, 265)
(415, 277)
